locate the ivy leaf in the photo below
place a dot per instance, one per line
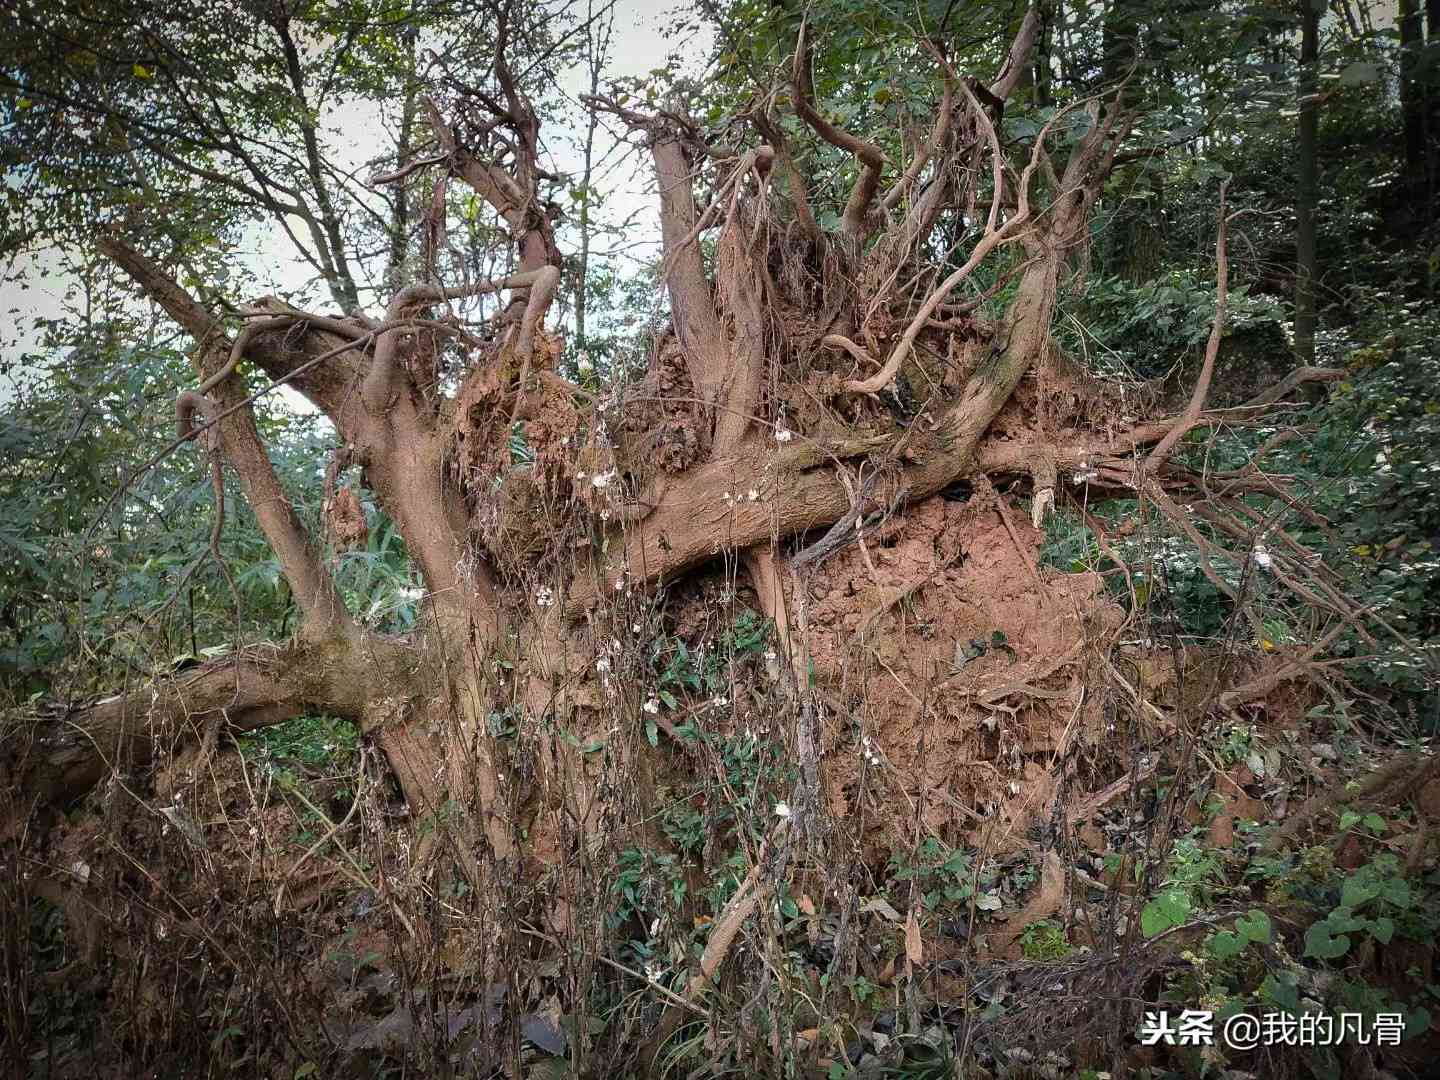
(1225, 945)
(1170, 908)
(1358, 890)
(1254, 927)
(1321, 944)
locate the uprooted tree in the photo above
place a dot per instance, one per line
(814, 383)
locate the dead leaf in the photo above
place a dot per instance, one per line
(914, 950)
(545, 1032)
(878, 905)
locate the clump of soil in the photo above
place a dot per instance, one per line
(956, 666)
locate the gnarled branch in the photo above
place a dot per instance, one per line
(871, 157)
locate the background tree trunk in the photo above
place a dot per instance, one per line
(1307, 181)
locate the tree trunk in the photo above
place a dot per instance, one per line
(1412, 101)
(1307, 182)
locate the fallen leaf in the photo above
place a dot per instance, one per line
(878, 905)
(544, 1032)
(914, 951)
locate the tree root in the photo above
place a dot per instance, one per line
(1397, 779)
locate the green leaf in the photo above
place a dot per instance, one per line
(1282, 991)
(1170, 908)
(1383, 929)
(1358, 890)
(1321, 944)
(308, 1069)
(1225, 945)
(1254, 927)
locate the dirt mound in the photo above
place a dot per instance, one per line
(956, 667)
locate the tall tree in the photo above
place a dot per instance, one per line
(1307, 179)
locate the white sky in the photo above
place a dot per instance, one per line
(636, 48)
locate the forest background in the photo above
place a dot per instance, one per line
(890, 539)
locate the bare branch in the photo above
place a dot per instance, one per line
(379, 380)
(872, 158)
(925, 151)
(311, 584)
(159, 287)
(992, 239)
(1019, 56)
(1191, 416)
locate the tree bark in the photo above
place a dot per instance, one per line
(1307, 181)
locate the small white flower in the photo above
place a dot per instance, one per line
(584, 364)
(752, 495)
(544, 597)
(635, 628)
(580, 475)
(782, 810)
(867, 750)
(652, 706)
(719, 701)
(1262, 557)
(770, 656)
(783, 435)
(602, 664)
